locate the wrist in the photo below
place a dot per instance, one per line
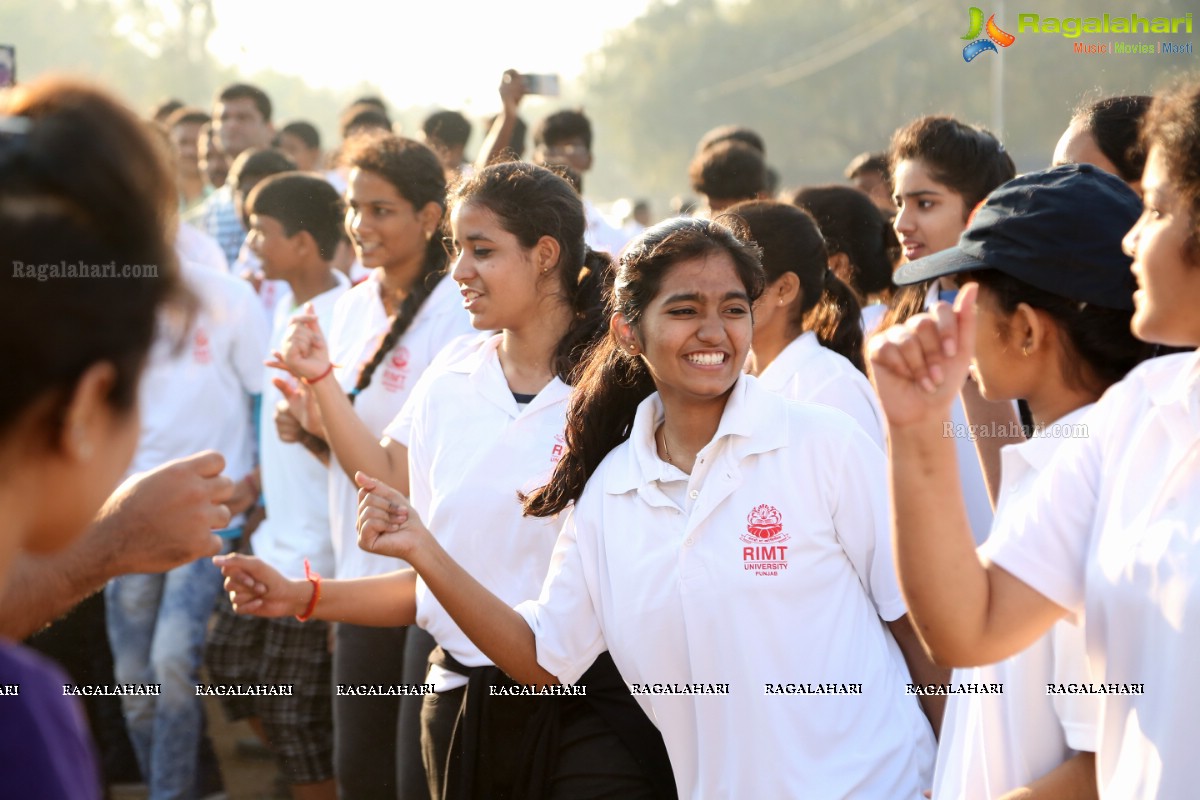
(310, 590)
(322, 375)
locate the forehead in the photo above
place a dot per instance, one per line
(1156, 175)
(471, 219)
(913, 176)
(266, 224)
(712, 275)
(239, 106)
(187, 130)
(365, 185)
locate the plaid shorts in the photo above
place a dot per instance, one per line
(253, 651)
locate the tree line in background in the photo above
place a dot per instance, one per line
(820, 80)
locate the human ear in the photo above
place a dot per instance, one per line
(88, 413)
(624, 333)
(1028, 331)
(430, 217)
(546, 253)
(787, 288)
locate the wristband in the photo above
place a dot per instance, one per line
(315, 580)
(322, 376)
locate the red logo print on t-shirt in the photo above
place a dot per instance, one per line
(201, 347)
(560, 447)
(765, 555)
(395, 370)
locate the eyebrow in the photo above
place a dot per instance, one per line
(919, 193)
(696, 297)
(477, 237)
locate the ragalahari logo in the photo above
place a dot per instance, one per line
(994, 37)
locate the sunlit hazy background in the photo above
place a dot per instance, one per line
(821, 79)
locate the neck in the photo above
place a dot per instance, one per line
(398, 279)
(688, 426)
(18, 498)
(1050, 406)
(769, 342)
(527, 353)
(312, 280)
(191, 187)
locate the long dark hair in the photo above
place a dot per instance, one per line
(83, 186)
(417, 174)
(613, 382)
(968, 160)
(531, 202)
(791, 242)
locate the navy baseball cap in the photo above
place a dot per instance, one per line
(1058, 229)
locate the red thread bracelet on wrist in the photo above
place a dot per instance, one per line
(315, 580)
(321, 377)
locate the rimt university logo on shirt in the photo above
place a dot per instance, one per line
(994, 37)
(395, 372)
(764, 555)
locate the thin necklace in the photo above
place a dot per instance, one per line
(667, 447)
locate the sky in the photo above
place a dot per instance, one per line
(456, 49)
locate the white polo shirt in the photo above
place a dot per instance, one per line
(991, 743)
(359, 322)
(1114, 528)
(777, 573)
(198, 395)
(294, 482)
(471, 450)
(970, 473)
(807, 371)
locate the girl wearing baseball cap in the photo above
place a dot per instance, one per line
(1109, 530)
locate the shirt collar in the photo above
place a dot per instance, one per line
(1169, 386)
(483, 365)
(754, 421)
(789, 361)
(1037, 451)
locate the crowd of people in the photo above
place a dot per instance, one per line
(454, 488)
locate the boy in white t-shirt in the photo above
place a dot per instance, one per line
(294, 230)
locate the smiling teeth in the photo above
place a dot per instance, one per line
(707, 359)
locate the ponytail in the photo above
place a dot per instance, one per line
(837, 321)
(586, 298)
(600, 416)
(432, 272)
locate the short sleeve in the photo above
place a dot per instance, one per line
(1045, 543)
(400, 428)
(860, 517)
(564, 619)
(1079, 714)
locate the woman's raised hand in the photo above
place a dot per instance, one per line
(919, 367)
(304, 352)
(301, 406)
(259, 590)
(387, 524)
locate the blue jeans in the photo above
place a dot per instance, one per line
(157, 626)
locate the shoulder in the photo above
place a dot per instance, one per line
(356, 298)
(218, 288)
